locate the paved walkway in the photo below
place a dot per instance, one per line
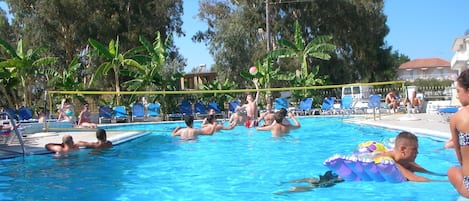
(422, 124)
(433, 125)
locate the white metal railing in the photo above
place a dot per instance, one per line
(15, 129)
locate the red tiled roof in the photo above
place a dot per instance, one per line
(425, 63)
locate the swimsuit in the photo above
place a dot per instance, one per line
(248, 123)
(465, 181)
(463, 139)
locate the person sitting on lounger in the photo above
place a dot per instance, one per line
(414, 103)
(84, 119)
(101, 143)
(392, 102)
(67, 111)
(67, 145)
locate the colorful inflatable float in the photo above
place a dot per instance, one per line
(363, 165)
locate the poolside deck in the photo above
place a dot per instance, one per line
(432, 125)
(424, 124)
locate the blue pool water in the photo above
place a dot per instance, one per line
(241, 164)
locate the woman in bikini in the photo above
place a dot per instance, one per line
(459, 127)
(84, 119)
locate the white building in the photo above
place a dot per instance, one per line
(427, 68)
(461, 54)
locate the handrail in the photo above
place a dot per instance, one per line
(13, 124)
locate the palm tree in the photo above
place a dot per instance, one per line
(113, 60)
(23, 65)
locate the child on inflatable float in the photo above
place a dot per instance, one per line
(374, 162)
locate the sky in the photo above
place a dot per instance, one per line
(418, 29)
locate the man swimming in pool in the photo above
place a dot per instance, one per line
(191, 133)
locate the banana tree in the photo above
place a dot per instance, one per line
(266, 74)
(113, 60)
(68, 79)
(23, 64)
(220, 98)
(8, 81)
(148, 75)
(319, 47)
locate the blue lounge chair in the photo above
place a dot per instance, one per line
(305, 107)
(374, 103)
(280, 103)
(104, 113)
(154, 110)
(11, 112)
(216, 108)
(200, 110)
(120, 113)
(327, 106)
(447, 112)
(232, 106)
(138, 112)
(346, 104)
(25, 115)
(185, 108)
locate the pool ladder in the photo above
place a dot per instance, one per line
(17, 132)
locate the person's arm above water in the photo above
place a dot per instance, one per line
(409, 175)
(256, 83)
(297, 124)
(265, 128)
(208, 130)
(176, 131)
(417, 168)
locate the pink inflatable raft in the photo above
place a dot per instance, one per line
(363, 166)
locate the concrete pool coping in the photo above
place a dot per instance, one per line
(432, 125)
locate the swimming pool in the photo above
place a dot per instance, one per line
(241, 164)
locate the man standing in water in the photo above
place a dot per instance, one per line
(251, 107)
(279, 128)
(191, 133)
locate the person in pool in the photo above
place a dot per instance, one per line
(101, 143)
(251, 107)
(459, 128)
(327, 180)
(267, 116)
(404, 154)
(279, 127)
(190, 133)
(67, 145)
(212, 121)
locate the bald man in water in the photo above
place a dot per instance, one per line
(67, 145)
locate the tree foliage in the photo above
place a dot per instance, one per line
(66, 25)
(358, 29)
